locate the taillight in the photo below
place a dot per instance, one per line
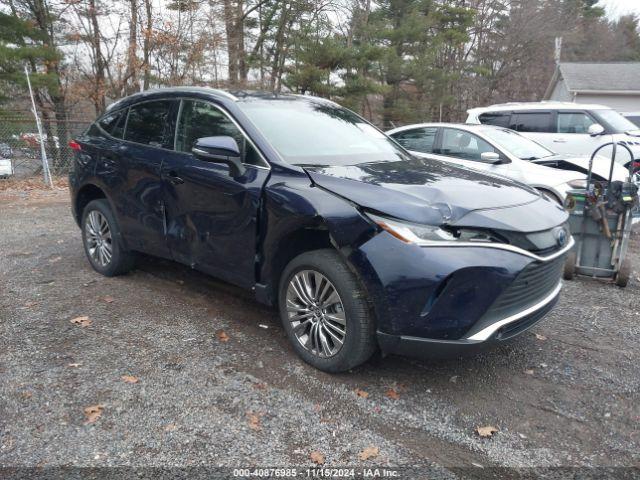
(636, 165)
(75, 146)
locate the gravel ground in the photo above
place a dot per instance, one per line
(564, 394)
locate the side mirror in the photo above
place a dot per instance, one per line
(490, 157)
(222, 149)
(595, 130)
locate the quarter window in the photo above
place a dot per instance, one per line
(574, 122)
(464, 145)
(113, 123)
(149, 123)
(202, 119)
(537, 122)
(417, 139)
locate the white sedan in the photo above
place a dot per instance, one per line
(503, 152)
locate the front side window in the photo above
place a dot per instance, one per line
(535, 122)
(499, 119)
(201, 119)
(464, 145)
(574, 122)
(149, 123)
(417, 139)
(313, 132)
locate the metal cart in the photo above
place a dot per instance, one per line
(600, 220)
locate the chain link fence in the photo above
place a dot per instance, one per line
(20, 144)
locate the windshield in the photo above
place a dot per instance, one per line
(516, 144)
(310, 132)
(616, 121)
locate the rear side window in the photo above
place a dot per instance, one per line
(499, 119)
(574, 122)
(417, 139)
(149, 123)
(113, 123)
(539, 122)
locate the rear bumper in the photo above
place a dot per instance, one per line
(492, 335)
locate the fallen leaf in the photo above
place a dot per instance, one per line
(180, 282)
(26, 395)
(254, 421)
(540, 337)
(529, 371)
(170, 427)
(222, 336)
(317, 457)
(130, 379)
(55, 259)
(362, 393)
(454, 379)
(392, 394)
(259, 386)
(82, 321)
(486, 432)
(108, 299)
(73, 365)
(369, 452)
(93, 413)
(30, 304)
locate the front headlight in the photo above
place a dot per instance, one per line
(425, 234)
(580, 183)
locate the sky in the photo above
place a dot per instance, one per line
(615, 8)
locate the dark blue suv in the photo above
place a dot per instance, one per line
(360, 245)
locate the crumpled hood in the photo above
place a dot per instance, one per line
(432, 192)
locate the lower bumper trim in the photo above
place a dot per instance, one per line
(439, 349)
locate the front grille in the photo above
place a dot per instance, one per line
(533, 284)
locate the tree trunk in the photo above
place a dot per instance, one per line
(131, 81)
(146, 45)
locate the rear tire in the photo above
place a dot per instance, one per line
(101, 240)
(325, 312)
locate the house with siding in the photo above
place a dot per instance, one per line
(616, 85)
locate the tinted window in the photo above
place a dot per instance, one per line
(148, 123)
(417, 139)
(500, 119)
(574, 122)
(202, 119)
(531, 122)
(465, 145)
(315, 132)
(113, 123)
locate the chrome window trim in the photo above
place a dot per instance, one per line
(267, 166)
(502, 246)
(487, 332)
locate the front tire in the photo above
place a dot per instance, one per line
(325, 312)
(101, 239)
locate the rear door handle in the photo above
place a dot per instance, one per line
(560, 140)
(172, 177)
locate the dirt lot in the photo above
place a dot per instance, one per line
(565, 394)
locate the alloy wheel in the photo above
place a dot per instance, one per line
(98, 238)
(316, 313)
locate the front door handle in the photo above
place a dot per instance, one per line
(560, 140)
(172, 177)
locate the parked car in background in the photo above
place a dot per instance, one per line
(6, 160)
(359, 244)
(566, 128)
(633, 117)
(504, 152)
